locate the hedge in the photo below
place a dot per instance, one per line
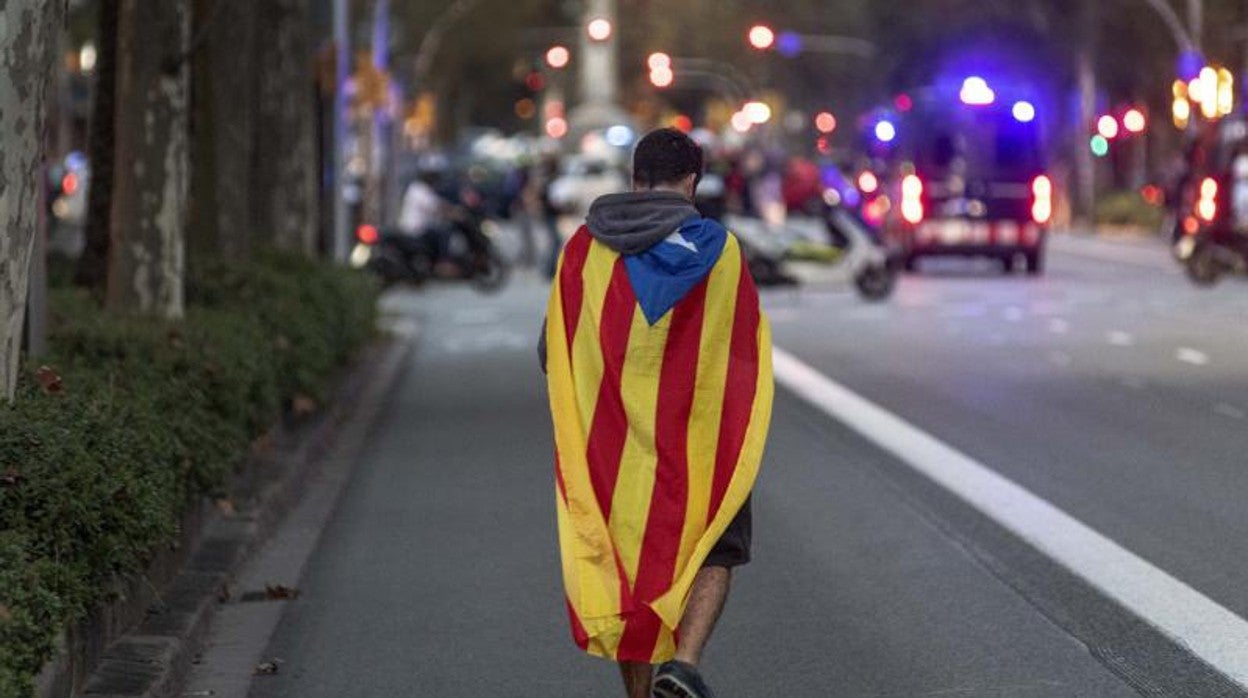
(132, 419)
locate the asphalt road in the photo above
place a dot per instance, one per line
(1109, 387)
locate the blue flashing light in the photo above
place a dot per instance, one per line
(975, 92)
(1024, 112)
(885, 131)
(789, 44)
(1189, 64)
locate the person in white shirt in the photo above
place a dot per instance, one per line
(421, 208)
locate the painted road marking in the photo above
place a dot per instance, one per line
(1228, 410)
(1191, 356)
(1119, 338)
(1189, 618)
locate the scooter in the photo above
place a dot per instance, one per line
(458, 249)
(1210, 254)
(851, 252)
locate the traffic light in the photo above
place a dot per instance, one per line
(1134, 121)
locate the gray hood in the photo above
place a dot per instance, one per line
(632, 222)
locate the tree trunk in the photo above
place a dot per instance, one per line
(29, 35)
(150, 187)
(285, 164)
(92, 271)
(222, 134)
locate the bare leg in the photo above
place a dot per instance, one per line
(706, 601)
(636, 679)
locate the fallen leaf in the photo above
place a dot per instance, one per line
(5, 613)
(10, 478)
(302, 405)
(266, 668)
(226, 507)
(263, 443)
(277, 592)
(49, 380)
(223, 593)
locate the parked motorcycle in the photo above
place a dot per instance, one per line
(461, 249)
(842, 241)
(1209, 255)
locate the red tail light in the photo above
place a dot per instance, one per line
(912, 199)
(367, 234)
(1041, 199)
(1207, 205)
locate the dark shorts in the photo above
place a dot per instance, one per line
(733, 548)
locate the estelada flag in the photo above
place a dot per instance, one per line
(660, 392)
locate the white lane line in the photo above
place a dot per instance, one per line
(1189, 618)
(1191, 356)
(1228, 410)
(1119, 338)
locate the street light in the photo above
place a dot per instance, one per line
(757, 112)
(825, 122)
(662, 77)
(762, 37)
(558, 56)
(659, 61)
(1134, 121)
(599, 29)
(1107, 127)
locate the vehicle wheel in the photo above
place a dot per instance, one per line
(388, 264)
(492, 274)
(910, 263)
(1202, 266)
(876, 282)
(1035, 263)
(1008, 263)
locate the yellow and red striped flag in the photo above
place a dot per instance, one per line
(659, 434)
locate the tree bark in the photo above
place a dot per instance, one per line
(285, 199)
(222, 132)
(92, 271)
(150, 189)
(29, 34)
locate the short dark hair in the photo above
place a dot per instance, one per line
(666, 156)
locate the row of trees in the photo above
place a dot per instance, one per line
(203, 141)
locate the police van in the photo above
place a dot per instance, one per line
(969, 175)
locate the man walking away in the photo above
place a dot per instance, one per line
(659, 375)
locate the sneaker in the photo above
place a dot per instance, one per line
(680, 680)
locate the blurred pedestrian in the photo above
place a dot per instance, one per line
(550, 215)
(659, 374)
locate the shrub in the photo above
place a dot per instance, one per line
(99, 459)
(1128, 208)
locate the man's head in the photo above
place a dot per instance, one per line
(667, 159)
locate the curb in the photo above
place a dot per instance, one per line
(155, 658)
